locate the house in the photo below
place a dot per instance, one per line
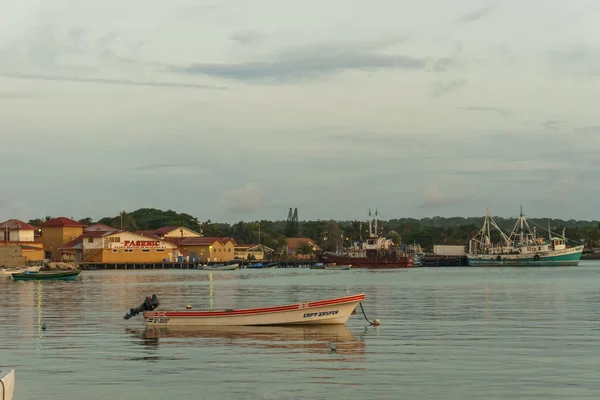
(253, 252)
(56, 232)
(301, 247)
(206, 249)
(23, 235)
(170, 232)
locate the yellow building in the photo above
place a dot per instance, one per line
(56, 232)
(207, 249)
(253, 252)
(118, 246)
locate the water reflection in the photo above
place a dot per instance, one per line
(309, 339)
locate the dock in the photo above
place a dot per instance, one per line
(92, 266)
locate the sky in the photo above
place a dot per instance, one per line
(236, 110)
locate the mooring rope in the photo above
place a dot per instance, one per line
(374, 323)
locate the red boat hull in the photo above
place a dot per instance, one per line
(368, 262)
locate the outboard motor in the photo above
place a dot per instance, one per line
(150, 303)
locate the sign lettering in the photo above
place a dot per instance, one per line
(141, 243)
(321, 314)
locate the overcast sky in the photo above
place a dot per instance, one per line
(237, 110)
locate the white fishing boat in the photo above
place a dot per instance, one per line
(7, 384)
(521, 247)
(321, 312)
(19, 270)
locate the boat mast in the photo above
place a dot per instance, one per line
(376, 230)
(521, 222)
(370, 224)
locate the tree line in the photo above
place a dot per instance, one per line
(331, 235)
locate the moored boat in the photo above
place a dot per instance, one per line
(7, 384)
(263, 266)
(220, 267)
(338, 267)
(50, 276)
(522, 247)
(322, 312)
(375, 252)
(16, 270)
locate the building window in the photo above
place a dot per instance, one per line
(115, 251)
(90, 240)
(145, 250)
(229, 249)
(128, 250)
(159, 250)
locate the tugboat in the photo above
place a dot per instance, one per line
(375, 252)
(522, 247)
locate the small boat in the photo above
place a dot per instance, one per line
(322, 312)
(7, 386)
(220, 267)
(317, 266)
(263, 266)
(46, 276)
(338, 267)
(16, 270)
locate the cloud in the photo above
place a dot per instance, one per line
(187, 85)
(474, 15)
(438, 88)
(579, 61)
(501, 111)
(318, 60)
(247, 38)
(551, 125)
(243, 200)
(589, 129)
(437, 198)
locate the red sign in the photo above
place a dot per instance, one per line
(141, 243)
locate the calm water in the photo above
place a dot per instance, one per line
(446, 333)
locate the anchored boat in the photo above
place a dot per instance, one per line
(321, 312)
(46, 276)
(522, 247)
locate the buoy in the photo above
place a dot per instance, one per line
(189, 307)
(43, 327)
(376, 322)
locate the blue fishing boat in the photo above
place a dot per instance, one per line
(522, 247)
(47, 276)
(263, 266)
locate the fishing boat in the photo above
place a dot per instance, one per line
(220, 267)
(16, 270)
(7, 384)
(522, 247)
(375, 252)
(322, 312)
(47, 276)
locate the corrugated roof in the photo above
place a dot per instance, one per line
(16, 225)
(99, 227)
(296, 243)
(61, 222)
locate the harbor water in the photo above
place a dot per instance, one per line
(446, 333)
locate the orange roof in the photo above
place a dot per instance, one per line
(16, 225)
(99, 227)
(296, 243)
(61, 222)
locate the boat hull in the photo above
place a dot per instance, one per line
(52, 276)
(7, 388)
(560, 258)
(324, 312)
(368, 262)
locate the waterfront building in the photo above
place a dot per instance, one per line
(23, 235)
(253, 252)
(56, 232)
(300, 247)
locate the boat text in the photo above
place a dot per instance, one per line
(158, 320)
(320, 314)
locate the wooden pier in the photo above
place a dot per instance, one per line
(91, 266)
